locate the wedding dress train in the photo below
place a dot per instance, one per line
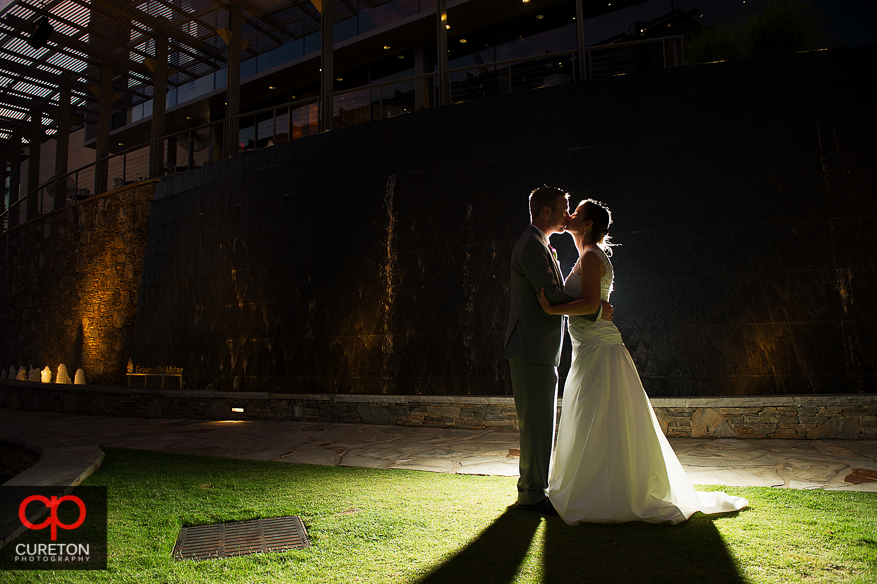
(612, 462)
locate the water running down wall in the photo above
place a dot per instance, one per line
(374, 259)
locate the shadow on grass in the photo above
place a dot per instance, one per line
(691, 552)
(495, 555)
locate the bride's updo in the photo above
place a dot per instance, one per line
(602, 217)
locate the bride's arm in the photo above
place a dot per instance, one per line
(591, 270)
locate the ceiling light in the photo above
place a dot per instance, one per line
(401, 56)
(271, 87)
(525, 1)
(539, 17)
(463, 41)
(339, 79)
(386, 47)
(447, 26)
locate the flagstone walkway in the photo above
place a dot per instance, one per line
(802, 464)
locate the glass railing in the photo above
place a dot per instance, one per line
(201, 145)
(190, 148)
(497, 78)
(384, 100)
(633, 56)
(278, 124)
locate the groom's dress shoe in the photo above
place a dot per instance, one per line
(543, 507)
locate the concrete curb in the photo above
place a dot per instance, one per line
(64, 467)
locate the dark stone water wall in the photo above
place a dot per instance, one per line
(375, 259)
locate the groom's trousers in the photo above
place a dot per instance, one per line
(535, 389)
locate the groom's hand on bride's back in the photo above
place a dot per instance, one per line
(607, 310)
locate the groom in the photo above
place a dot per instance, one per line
(533, 342)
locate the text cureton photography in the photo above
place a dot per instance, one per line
(52, 529)
(52, 552)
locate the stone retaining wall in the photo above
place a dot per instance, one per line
(851, 417)
(16, 457)
(71, 283)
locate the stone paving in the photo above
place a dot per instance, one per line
(803, 464)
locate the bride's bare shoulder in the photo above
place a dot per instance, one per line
(591, 260)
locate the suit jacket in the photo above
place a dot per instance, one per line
(532, 335)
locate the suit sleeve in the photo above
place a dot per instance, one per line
(535, 262)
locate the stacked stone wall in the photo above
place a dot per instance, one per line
(72, 280)
(849, 417)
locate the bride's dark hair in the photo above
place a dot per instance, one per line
(602, 217)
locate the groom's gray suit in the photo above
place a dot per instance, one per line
(532, 346)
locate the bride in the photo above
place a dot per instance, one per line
(612, 462)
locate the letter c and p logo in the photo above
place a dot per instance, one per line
(53, 520)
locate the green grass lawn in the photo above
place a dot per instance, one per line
(369, 525)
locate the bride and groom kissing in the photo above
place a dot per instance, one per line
(611, 462)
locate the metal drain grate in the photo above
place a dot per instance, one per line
(276, 534)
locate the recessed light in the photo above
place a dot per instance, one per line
(447, 26)
(271, 87)
(120, 144)
(386, 47)
(539, 17)
(525, 1)
(400, 56)
(339, 79)
(463, 41)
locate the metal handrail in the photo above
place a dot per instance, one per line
(500, 64)
(382, 83)
(629, 43)
(304, 101)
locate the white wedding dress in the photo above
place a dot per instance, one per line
(612, 462)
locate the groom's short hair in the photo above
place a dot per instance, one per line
(542, 197)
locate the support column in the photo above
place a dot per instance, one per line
(233, 80)
(159, 107)
(14, 181)
(33, 164)
(62, 147)
(104, 125)
(580, 38)
(327, 65)
(4, 174)
(442, 82)
(421, 86)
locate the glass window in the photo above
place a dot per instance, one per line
(195, 89)
(374, 18)
(221, 77)
(312, 43)
(346, 29)
(249, 68)
(297, 48)
(550, 41)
